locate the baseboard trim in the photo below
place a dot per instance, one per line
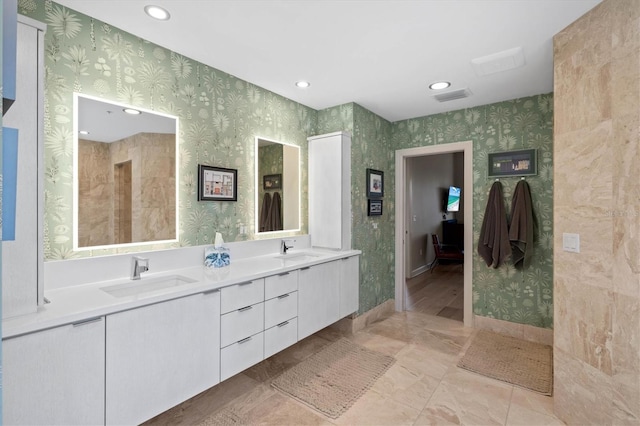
(520, 331)
(349, 325)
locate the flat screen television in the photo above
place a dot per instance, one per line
(453, 199)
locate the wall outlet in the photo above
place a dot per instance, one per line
(571, 242)
(375, 225)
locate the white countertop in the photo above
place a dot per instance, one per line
(69, 305)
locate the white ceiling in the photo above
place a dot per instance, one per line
(381, 54)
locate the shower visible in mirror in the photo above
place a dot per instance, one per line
(125, 180)
(277, 186)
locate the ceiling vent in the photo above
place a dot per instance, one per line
(498, 62)
(452, 95)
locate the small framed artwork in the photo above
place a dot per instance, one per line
(375, 183)
(513, 163)
(374, 208)
(272, 182)
(217, 184)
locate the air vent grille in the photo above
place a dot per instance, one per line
(452, 95)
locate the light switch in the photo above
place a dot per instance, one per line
(571, 242)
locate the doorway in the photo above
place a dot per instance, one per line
(403, 157)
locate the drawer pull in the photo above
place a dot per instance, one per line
(282, 324)
(245, 283)
(87, 321)
(211, 292)
(305, 268)
(246, 308)
(245, 340)
(283, 296)
(283, 274)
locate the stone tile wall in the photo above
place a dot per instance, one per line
(597, 195)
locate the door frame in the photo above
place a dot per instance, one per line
(402, 155)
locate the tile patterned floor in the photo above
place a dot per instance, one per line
(423, 387)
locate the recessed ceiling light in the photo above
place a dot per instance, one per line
(439, 85)
(302, 84)
(84, 132)
(157, 12)
(132, 111)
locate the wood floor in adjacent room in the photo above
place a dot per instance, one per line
(440, 292)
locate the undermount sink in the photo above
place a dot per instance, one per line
(298, 257)
(143, 285)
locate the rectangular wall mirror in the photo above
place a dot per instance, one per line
(125, 181)
(277, 186)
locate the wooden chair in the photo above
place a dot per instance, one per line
(445, 252)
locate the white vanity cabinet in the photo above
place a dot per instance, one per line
(349, 285)
(241, 327)
(55, 376)
(330, 190)
(280, 312)
(318, 297)
(158, 356)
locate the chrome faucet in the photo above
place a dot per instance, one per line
(284, 247)
(138, 266)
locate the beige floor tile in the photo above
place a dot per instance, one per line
(406, 386)
(376, 342)
(465, 398)
(291, 413)
(423, 361)
(375, 409)
(521, 416)
(532, 401)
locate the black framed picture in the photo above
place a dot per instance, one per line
(217, 183)
(375, 183)
(374, 208)
(272, 182)
(513, 163)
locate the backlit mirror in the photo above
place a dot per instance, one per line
(125, 182)
(277, 186)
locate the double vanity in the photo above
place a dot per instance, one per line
(122, 351)
(85, 344)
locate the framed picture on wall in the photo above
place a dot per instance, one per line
(217, 183)
(272, 182)
(375, 183)
(513, 163)
(374, 208)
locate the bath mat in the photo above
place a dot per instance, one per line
(333, 379)
(224, 417)
(521, 363)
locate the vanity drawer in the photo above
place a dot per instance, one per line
(240, 295)
(280, 284)
(241, 323)
(280, 337)
(241, 355)
(280, 309)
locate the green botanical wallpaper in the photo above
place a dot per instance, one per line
(524, 297)
(220, 115)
